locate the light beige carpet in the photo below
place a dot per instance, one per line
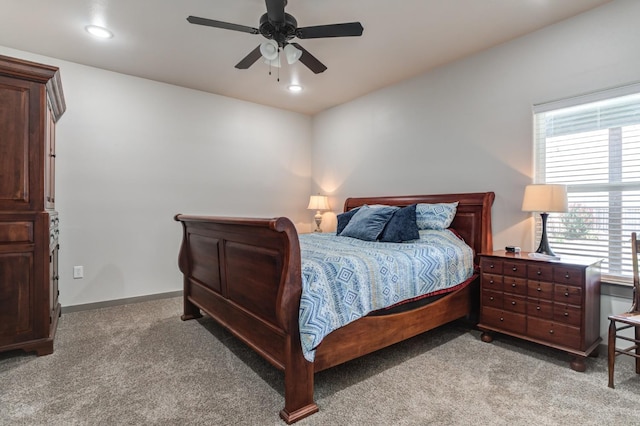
(139, 364)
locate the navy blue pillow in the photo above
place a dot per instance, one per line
(402, 226)
(367, 224)
(344, 218)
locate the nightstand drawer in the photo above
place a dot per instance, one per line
(491, 266)
(492, 299)
(554, 332)
(492, 282)
(539, 289)
(540, 272)
(508, 321)
(567, 314)
(515, 303)
(514, 269)
(567, 276)
(540, 308)
(567, 294)
(515, 285)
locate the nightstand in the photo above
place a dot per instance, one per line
(555, 303)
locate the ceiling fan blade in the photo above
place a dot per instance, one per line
(275, 10)
(219, 24)
(310, 61)
(349, 29)
(250, 59)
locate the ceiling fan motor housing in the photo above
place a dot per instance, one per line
(281, 32)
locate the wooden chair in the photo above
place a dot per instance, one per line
(628, 319)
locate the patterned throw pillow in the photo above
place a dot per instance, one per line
(435, 216)
(367, 224)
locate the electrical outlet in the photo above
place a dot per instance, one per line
(78, 272)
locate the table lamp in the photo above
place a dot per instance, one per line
(318, 202)
(545, 198)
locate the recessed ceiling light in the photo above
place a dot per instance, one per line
(99, 32)
(295, 88)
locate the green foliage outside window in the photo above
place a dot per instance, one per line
(577, 222)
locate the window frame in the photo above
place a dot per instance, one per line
(620, 249)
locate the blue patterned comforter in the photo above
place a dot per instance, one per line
(344, 278)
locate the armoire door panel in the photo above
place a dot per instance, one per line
(16, 296)
(14, 149)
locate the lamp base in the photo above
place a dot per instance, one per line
(544, 242)
(318, 218)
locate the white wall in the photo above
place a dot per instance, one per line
(467, 126)
(131, 153)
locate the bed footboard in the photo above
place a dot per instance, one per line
(245, 274)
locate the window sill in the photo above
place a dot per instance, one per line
(622, 290)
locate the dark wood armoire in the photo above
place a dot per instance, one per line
(31, 102)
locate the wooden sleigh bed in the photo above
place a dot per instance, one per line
(246, 274)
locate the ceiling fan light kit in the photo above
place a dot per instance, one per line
(279, 28)
(292, 53)
(269, 50)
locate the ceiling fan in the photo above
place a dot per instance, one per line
(278, 28)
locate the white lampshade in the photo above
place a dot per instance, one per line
(318, 202)
(545, 198)
(269, 49)
(292, 53)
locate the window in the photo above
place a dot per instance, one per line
(592, 145)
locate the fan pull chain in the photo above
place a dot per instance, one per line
(278, 59)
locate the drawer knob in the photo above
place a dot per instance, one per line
(490, 281)
(514, 268)
(513, 303)
(538, 289)
(539, 272)
(491, 266)
(550, 331)
(501, 319)
(566, 314)
(537, 308)
(491, 298)
(566, 275)
(513, 284)
(566, 293)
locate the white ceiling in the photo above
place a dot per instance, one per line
(153, 40)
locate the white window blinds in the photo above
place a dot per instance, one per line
(592, 145)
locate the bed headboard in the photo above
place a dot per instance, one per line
(473, 216)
